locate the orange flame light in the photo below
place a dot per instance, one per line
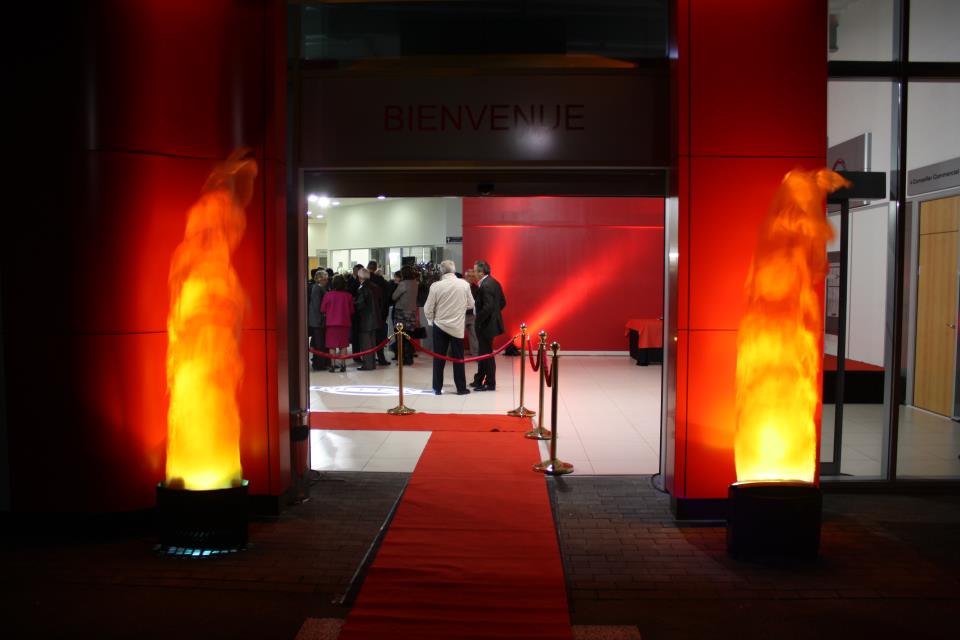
(779, 340)
(204, 365)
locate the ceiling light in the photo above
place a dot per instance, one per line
(335, 203)
(381, 197)
(312, 197)
(324, 202)
(308, 213)
(319, 215)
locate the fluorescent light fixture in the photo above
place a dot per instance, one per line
(319, 215)
(381, 197)
(335, 203)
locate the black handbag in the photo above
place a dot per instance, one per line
(419, 333)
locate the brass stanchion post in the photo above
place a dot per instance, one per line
(553, 466)
(538, 432)
(400, 409)
(522, 411)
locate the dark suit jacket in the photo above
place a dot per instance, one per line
(367, 304)
(489, 304)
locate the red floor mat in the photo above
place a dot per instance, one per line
(472, 551)
(418, 422)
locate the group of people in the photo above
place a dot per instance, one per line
(345, 310)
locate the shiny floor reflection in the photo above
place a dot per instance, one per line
(608, 413)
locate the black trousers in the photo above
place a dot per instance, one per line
(318, 342)
(380, 337)
(486, 369)
(441, 342)
(367, 340)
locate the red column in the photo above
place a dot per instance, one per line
(167, 90)
(750, 92)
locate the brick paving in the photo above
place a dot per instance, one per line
(888, 564)
(294, 568)
(889, 568)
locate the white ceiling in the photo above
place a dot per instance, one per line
(316, 211)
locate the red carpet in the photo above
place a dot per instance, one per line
(472, 551)
(417, 422)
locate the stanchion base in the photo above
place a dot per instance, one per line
(401, 411)
(554, 467)
(521, 412)
(538, 434)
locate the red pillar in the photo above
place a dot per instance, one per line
(148, 96)
(750, 91)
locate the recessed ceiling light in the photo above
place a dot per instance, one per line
(312, 197)
(308, 214)
(381, 197)
(319, 215)
(335, 203)
(324, 202)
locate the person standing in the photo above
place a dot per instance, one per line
(353, 284)
(337, 309)
(405, 307)
(380, 283)
(315, 320)
(489, 324)
(367, 303)
(445, 309)
(471, 330)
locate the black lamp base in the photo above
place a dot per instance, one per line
(774, 519)
(214, 519)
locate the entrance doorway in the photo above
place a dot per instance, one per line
(579, 267)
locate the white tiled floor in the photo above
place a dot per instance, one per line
(366, 450)
(608, 413)
(608, 419)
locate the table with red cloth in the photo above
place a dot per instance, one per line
(646, 340)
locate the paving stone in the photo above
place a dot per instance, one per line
(893, 547)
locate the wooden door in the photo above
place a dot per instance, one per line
(934, 373)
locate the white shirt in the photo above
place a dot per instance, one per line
(447, 304)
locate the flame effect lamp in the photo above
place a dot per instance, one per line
(774, 507)
(202, 504)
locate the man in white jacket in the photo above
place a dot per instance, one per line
(446, 308)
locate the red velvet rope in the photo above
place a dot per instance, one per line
(534, 364)
(341, 356)
(485, 356)
(547, 371)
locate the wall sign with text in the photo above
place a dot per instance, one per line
(614, 120)
(934, 177)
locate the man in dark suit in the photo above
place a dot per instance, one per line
(488, 323)
(380, 284)
(367, 304)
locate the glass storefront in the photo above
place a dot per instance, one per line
(897, 418)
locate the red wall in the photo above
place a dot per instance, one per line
(750, 95)
(577, 267)
(150, 96)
